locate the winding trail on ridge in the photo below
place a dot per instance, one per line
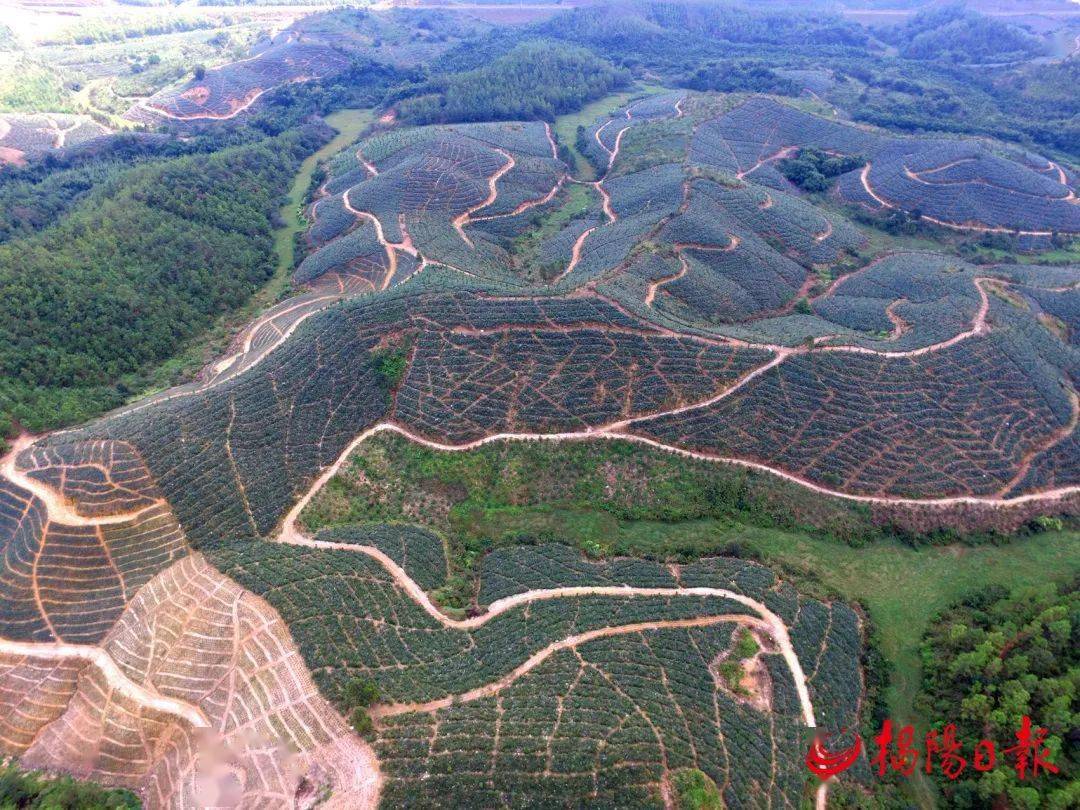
(765, 621)
(60, 509)
(487, 690)
(864, 177)
(684, 268)
(463, 219)
(98, 658)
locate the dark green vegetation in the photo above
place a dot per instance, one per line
(536, 79)
(692, 296)
(391, 365)
(812, 170)
(21, 790)
(991, 659)
(694, 790)
(357, 695)
(954, 34)
(612, 712)
(1024, 102)
(731, 76)
(583, 492)
(144, 262)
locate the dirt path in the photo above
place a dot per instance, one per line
(767, 619)
(391, 248)
(97, 657)
(528, 204)
(684, 268)
(487, 690)
(461, 220)
(1055, 439)
(783, 152)
(575, 254)
(244, 104)
(248, 356)
(60, 509)
(650, 293)
(609, 212)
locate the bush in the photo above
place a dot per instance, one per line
(359, 693)
(32, 790)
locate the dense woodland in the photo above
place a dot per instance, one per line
(993, 659)
(738, 76)
(145, 261)
(536, 79)
(954, 34)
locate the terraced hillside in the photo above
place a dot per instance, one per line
(28, 136)
(312, 48)
(463, 287)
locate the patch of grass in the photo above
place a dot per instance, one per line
(903, 588)
(29, 86)
(695, 790)
(573, 201)
(565, 127)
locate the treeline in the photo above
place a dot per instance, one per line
(992, 660)
(535, 80)
(34, 791)
(925, 97)
(94, 32)
(147, 260)
(954, 34)
(679, 36)
(738, 76)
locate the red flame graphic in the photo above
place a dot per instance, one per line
(824, 763)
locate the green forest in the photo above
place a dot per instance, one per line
(954, 34)
(535, 80)
(989, 661)
(145, 261)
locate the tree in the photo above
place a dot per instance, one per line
(989, 662)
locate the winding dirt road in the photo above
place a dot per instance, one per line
(463, 219)
(766, 621)
(864, 177)
(97, 657)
